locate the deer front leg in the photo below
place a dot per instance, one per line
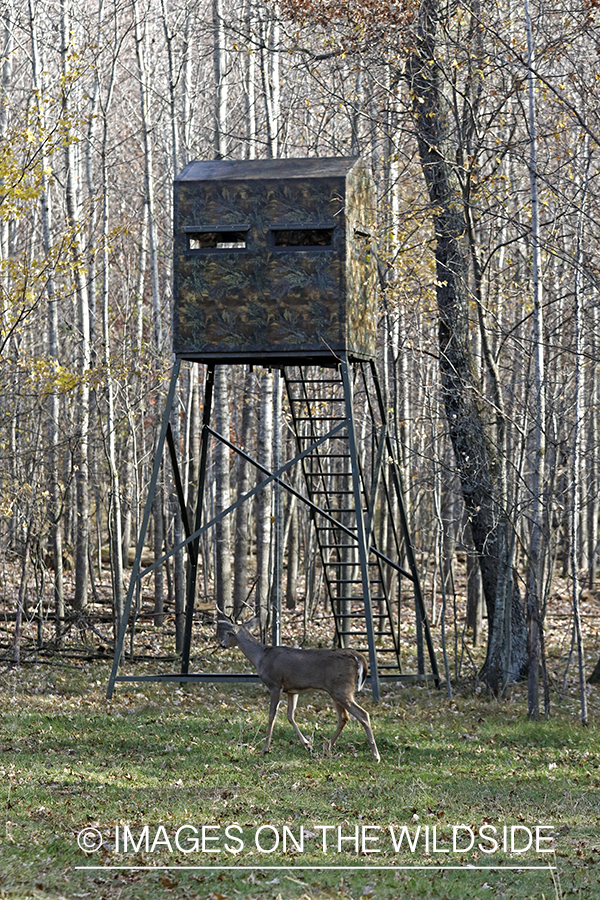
(275, 698)
(291, 709)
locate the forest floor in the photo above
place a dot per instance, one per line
(163, 791)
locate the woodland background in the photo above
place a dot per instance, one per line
(481, 126)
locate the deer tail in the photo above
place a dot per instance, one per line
(362, 671)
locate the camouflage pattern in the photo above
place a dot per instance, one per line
(267, 303)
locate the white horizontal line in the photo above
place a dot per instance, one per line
(325, 868)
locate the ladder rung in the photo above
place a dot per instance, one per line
(342, 615)
(333, 494)
(331, 525)
(309, 437)
(346, 580)
(328, 474)
(317, 399)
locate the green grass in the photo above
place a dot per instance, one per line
(175, 757)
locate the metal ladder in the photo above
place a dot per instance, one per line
(348, 479)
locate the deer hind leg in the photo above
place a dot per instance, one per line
(363, 717)
(291, 709)
(275, 698)
(342, 718)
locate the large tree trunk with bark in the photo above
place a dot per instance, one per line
(476, 457)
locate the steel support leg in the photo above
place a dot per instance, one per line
(193, 572)
(420, 612)
(158, 453)
(363, 550)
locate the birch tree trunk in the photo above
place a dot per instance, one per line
(5, 84)
(178, 561)
(535, 574)
(594, 502)
(263, 524)
(141, 49)
(142, 57)
(223, 587)
(115, 521)
(55, 505)
(577, 438)
(242, 519)
(72, 180)
(270, 50)
(250, 85)
(291, 589)
(219, 65)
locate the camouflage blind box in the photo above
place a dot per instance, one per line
(274, 260)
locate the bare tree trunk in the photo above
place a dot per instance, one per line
(21, 597)
(169, 36)
(178, 563)
(594, 501)
(115, 522)
(277, 513)
(55, 504)
(159, 540)
(474, 592)
(192, 440)
(473, 445)
(220, 67)
(138, 305)
(187, 114)
(250, 85)
(291, 590)
(263, 524)
(223, 588)
(242, 520)
(537, 549)
(5, 83)
(270, 50)
(72, 179)
(141, 48)
(577, 435)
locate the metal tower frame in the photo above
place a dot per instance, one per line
(342, 500)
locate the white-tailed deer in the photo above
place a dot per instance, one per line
(285, 669)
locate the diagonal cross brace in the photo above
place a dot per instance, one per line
(272, 476)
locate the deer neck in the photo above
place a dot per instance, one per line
(252, 650)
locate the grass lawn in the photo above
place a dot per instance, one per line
(187, 763)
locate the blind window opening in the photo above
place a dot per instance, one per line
(217, 240)
(303, 238)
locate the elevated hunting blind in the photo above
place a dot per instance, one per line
(274, 260)
(274, 264)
